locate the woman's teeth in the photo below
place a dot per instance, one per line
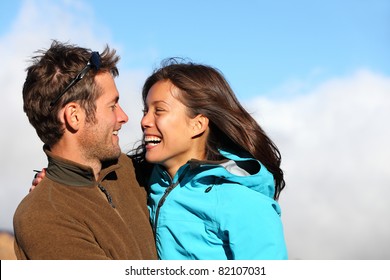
(152, 140)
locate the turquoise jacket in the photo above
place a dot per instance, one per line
(216, 211)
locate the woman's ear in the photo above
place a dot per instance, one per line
(72, 116)
(199, 125)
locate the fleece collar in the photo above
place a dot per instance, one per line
(71, 173)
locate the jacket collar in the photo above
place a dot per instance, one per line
(71, 173)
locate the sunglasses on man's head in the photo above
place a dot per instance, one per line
(93, 62)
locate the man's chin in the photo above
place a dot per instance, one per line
(111, 156)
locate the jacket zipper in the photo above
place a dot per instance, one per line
(108, 195)
(163, 198)
(160, 203)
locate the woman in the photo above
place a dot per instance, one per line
(214, 175)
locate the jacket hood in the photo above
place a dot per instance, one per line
(242, 169)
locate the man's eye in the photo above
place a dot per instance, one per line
(159, 110)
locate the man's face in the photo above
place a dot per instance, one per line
(99, 139)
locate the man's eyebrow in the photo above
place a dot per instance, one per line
(114, 99)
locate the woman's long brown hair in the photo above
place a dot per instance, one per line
(204, 90)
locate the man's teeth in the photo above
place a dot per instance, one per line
(152, 140)
(115, 132)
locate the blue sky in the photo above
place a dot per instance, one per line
(257, 44)
(315, 74)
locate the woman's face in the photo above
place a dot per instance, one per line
(169, 132)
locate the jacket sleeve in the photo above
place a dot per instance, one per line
(250, 224)
(48, 236)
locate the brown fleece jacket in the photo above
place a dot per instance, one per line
(70, 215)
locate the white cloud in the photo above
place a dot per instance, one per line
(334, 144)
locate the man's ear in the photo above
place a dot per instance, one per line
(73, 116)
(199, 124)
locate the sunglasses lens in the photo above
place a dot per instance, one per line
(95, 60)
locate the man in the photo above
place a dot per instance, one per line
(89, 205)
